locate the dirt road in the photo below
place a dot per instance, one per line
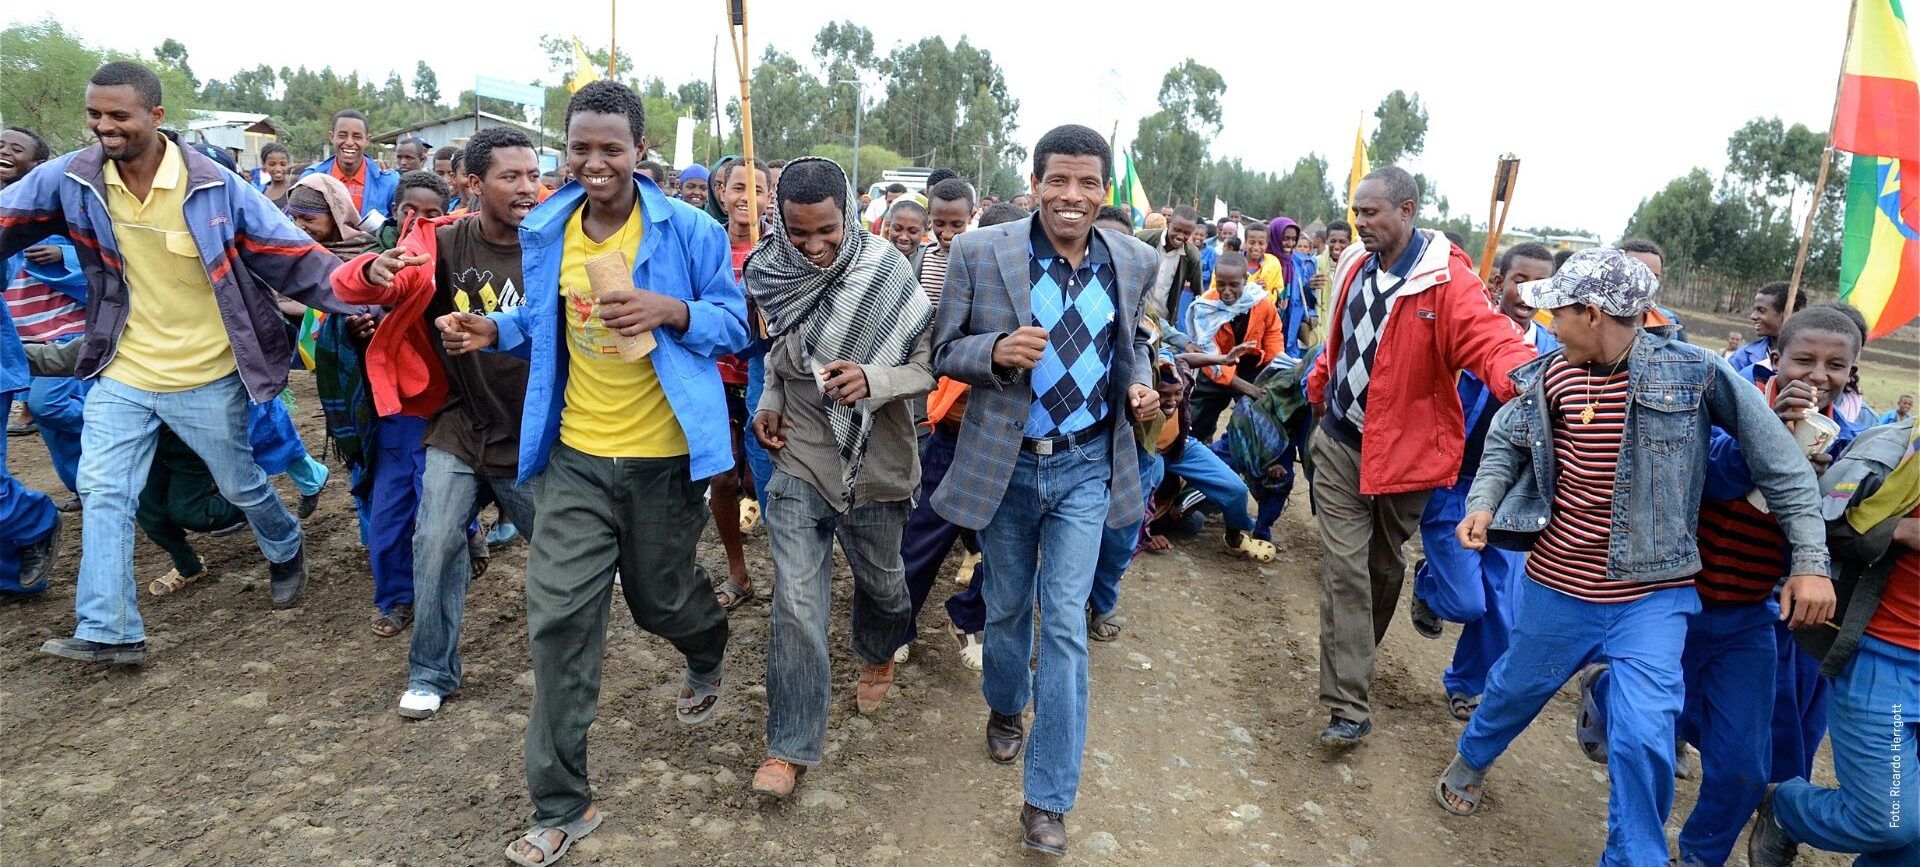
(269, 738)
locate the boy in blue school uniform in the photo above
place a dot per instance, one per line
(1597, 470)
(1476, 588)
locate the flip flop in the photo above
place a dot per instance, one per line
(1463, 705)
(549, 853)
(731, 595)
(1455, 782)
(697, 708)
(1104, 627)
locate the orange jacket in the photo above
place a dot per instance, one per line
(1263, 330)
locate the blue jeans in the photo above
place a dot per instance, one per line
(1554, 636)
(1876, 725)
(1118, 545)
(399, 462)
(1799, 707)
(801, 527)
(26, 517)
(116, 451)
(449, 501)
(1474, 588)
(757, 458)
(59, 406)
(1729, 675)
(1042, 544)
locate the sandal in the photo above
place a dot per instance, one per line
(964, 575)
(1104, 627)
(174, 582)
(732, 595)
(393, 622)
(972, 652)
(550, 853)
(698, 707)
(1455, 783)
(1253, 549)
(1158, 545)
(1462, 705)
(749, 513)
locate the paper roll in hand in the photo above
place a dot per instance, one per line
(609, 273)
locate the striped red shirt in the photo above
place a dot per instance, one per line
(1742, 553)
(41, 313)
(1588, 411)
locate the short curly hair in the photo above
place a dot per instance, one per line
(611, 97)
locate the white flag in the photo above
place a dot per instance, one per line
(1219, 210)
(683, 143)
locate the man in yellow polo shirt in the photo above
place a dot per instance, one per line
(181, 330)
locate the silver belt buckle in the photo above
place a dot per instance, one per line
(1043, 447)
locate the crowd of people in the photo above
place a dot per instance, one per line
(1723, 551)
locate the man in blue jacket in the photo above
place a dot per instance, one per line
(372, 187)
(622, 436)
(182, 258)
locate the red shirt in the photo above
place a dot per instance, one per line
(733, 371)
(1589, 413)
(356, 185)
(1897, 620)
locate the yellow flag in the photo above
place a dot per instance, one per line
(584, 72)
(1361, 166)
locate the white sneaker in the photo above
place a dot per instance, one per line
(419, 704)
(972, 652)
(900, 656)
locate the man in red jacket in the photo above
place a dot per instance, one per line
(1411, 314)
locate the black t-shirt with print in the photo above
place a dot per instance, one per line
(480, 423)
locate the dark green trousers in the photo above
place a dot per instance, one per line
(642, 516)
(181, 496)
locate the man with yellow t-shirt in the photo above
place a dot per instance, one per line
(622, 449)
(182, 330)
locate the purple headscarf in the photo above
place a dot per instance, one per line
(1275, 228)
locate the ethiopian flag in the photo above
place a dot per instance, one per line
(1878, 121)
(309, 333)
(1126, 191)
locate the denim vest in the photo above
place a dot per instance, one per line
(1676, 393)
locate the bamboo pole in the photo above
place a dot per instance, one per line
(1826, 159)
(737, 34)
(613, 40)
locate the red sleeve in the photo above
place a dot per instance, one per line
(350, 282)
(1480, 338)
(1273, 338)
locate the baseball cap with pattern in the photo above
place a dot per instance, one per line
(1605, 277)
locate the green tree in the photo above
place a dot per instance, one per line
(173, 55)
(874, 159)
(46, 68)
(941, 102)
(1171, 144)
(426, 85)
(1304, 193)
(1402, 131)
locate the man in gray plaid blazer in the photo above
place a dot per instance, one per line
(1042, 317)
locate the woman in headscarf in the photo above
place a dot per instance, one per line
(321, 206)
(1297, 304)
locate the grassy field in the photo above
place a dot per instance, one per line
(1889, 367)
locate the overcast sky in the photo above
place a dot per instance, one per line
(1603, 103)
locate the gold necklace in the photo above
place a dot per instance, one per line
(1587, 413)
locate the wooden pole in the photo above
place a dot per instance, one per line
(1506, 175)
(737, 34)
(1826, 158)
(613, 40)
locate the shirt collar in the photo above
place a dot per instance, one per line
(340, 173)
(1042, 246)
(166, 177)
(1410, 257)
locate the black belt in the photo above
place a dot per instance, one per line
(1044, 446)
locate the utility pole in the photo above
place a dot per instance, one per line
(981, 150)
(859, 106)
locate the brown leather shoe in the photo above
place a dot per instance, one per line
(1046, 831)
(1005, 736)
(872, 687)
(777, 777)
